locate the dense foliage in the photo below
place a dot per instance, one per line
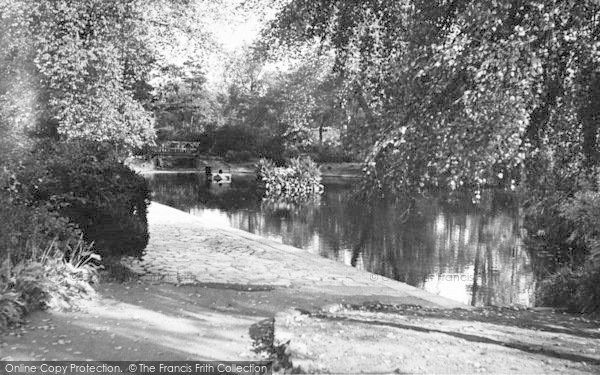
(64, 206)
(84, 182)
(182, 104)
(575, 290)
(50, 280)
(300, 179)
(44, 261)
(83, 62)
(457, 93)
(564, 239)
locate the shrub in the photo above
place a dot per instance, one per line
(70, 278)
(330, 153)
(234, 138)
(559, 290)
(576, 291)
(583, 213)
(51, 280)
(273, 148)
(548, 233)
(84, 182)
(28, 230)
(44, 259)
(564, 236)
(238, 156)
(12, 308)
(300, 179)
(168, 162)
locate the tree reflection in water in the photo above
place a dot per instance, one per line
(466, 253)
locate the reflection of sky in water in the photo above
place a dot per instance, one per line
(216, 217)
(471, 255)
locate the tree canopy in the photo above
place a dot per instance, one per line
(81, 69)
(444, 93)
(459, 92)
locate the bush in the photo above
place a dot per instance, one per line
(44, 259)
(238, 143)
(84, 182)
(577, 291)
(234, 138)
(242, 143)
(559, 290)
(238, 156)
(548, 235)
(51, 280)
(273, 148)
(583, 213)
(300, 179)
(564, 236)
(27, 231)
(329, 153)
(167, 162)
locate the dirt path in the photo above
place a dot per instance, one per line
(409, 339)
(146, 321)
(326, 333)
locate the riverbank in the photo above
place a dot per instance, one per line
(342, 170)
(186, 249)
(202, 291)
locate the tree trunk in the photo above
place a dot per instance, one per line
(590, 117)
(321, 130)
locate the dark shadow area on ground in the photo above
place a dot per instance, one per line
(526, 347)
(162, 321)
(529, 319)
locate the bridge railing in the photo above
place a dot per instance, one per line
(175, 150)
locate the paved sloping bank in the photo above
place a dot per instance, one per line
(185, 249)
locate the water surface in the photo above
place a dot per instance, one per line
(471, 254)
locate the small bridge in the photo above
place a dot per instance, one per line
(175, 153)
(171, 153)
(176, 148)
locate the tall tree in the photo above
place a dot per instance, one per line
(88, 57)
(87, 62)
(182, 104)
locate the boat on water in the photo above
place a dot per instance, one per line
(219, 177)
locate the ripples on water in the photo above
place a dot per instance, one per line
(469, 254)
